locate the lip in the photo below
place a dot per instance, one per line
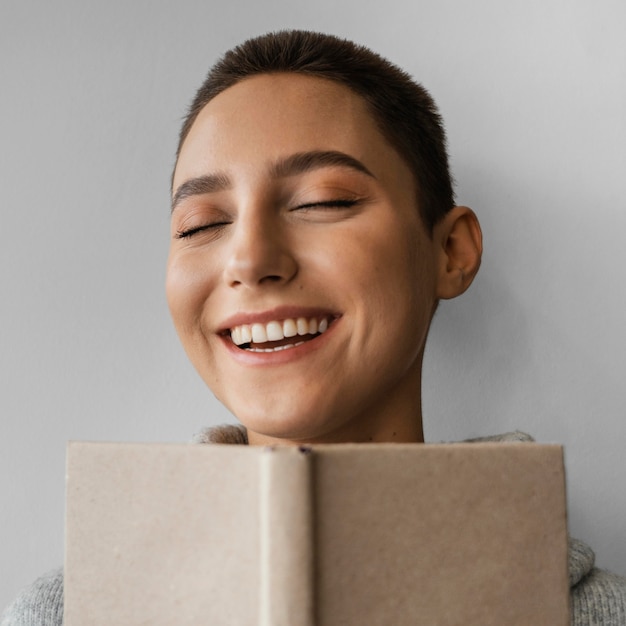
(275, 314)
(280, 357)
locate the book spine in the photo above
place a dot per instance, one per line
(287, 593)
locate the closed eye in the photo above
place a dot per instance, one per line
(182, 234)
(327, 204)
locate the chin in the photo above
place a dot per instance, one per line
(290, 425)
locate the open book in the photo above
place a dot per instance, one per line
(357, 535)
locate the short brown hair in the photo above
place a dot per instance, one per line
(404, 111)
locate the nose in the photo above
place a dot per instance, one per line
(259, 252)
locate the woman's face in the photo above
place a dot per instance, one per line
(300, 277)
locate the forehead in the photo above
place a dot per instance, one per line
(267, 117)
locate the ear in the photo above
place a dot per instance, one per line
(459, 243)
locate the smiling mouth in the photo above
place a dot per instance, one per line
(279, 334)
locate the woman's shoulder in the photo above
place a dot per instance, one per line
(41, 604)
(599, 599)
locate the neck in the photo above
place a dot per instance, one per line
(410, 433)
(396, 418)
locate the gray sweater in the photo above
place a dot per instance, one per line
(598, 598)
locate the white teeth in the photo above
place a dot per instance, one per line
(274, 331)
(277, 348)
(277, 330)
(236, 335)
(289, 328)
(303, 326)
(246, 334)
(259, 334)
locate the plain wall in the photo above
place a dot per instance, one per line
(92, 93)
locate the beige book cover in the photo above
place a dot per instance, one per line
(367, 535)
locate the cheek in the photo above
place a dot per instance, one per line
(187, 289)
(398, 263)
(398, 286)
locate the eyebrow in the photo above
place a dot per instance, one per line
(200, 185)
(302, 162)
(295, 164)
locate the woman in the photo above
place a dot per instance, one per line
(313, 233)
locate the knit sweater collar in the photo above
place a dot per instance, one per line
(237, 434)
(581, 556)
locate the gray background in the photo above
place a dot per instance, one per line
(92, 93)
